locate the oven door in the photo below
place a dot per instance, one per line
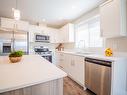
(49, 58)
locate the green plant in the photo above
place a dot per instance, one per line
(16, 54)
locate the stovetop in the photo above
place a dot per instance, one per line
(43, 51)
(47, 53)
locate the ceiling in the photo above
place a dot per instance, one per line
(53, 12)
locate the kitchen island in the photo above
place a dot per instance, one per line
(33, 75)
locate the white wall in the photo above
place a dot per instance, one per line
(117, 44)
(87, 15)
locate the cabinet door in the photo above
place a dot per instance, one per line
(67, 33)
(53, 33)
(63, 61)
(31, 37)
(60, 60)
(76, 69)
(109, 20)
(71, 65)
(57, 58)
(79, 69)
(11, 24)
(67, 61)
(71, 32)
(62, 35)
(33, 29)
(22, 25)
(54, 37)
(31, 33)
(7, 23)
(112, 23)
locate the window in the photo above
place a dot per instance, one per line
(87, 34)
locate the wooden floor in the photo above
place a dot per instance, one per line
(72, 88)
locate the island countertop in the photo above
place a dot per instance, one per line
(31, 70)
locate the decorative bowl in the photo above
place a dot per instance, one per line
(15, 59)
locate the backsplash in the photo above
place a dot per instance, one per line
(117, 44)
(69, 45)
(37, 44)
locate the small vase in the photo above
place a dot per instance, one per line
(15, 59)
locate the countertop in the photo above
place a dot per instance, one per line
(32, 70)
(96, 56)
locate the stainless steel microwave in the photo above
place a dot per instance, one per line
(42, 38)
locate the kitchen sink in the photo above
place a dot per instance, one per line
(84, 53)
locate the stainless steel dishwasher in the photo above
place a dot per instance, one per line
(98, 76)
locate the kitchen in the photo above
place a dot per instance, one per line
(84, 40)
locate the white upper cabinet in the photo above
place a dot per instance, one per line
(67, 33)
(34, 29)
(62, 35)
(43, 30)
(22, 25)
(54, 35)
(10, 24)
(113, 18)
(7, 23)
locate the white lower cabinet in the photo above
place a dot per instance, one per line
(76, 68)
(113, 18)
(73, 65)
(59, 60)
(79, 69)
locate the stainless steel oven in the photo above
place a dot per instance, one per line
(44, 52)
(98, 76)
(42, 38)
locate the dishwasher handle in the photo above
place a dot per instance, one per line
(98, 61)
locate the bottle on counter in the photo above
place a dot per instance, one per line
(60, 47)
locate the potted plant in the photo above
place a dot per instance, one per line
(15, 56)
